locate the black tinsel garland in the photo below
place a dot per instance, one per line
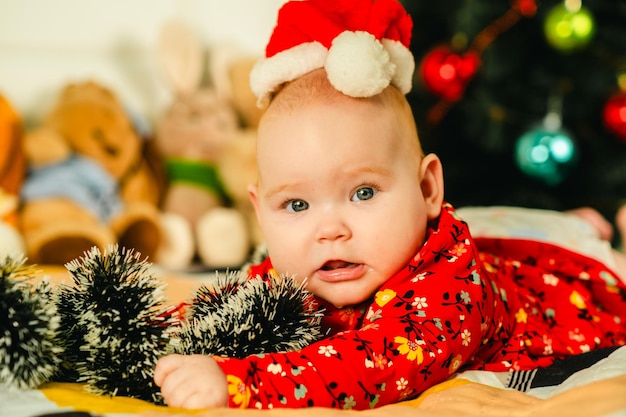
(29, 354)
(109, 328)
(113, 323)
(237, 317)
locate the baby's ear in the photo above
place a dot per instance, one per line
(253, 193)
(431, 183)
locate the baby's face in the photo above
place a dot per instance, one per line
(340, 197)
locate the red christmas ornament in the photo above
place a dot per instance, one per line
(614, 114)
(446, 73)
(527, 8)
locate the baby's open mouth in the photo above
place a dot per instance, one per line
(332, 265)
(337, 270)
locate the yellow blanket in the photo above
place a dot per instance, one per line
(454, 398)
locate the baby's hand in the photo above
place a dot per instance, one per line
(191, 381)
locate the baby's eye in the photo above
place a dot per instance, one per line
(363, 193)
(296, 206)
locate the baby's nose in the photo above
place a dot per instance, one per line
(333, 226)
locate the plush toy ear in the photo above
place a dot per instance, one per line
(181, 55)
(229, 71)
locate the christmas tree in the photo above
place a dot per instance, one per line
(524, 100)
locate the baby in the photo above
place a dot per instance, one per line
(347, 201)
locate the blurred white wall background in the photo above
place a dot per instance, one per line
(47, 43)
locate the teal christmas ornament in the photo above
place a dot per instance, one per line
(546, 153)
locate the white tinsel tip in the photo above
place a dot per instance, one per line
(358, 65)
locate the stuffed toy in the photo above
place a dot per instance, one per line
(89, 181)
(230, 74)
(230, 68)
(12, 171)
(109, 327)
(196, 134)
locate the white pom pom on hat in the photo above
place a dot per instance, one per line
(362, 44)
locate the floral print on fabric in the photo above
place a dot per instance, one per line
(566, 303)
(513, 305)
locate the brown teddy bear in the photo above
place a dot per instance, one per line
(91, 180)
(198, 135)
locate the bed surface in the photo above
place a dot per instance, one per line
(598, 390)
(590, 393)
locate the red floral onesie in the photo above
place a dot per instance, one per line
(495, 304)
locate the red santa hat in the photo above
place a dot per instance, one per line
(362, 44)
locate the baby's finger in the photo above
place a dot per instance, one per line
(179, 395)
(165, 366)
(177, 387)
(197, 400)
